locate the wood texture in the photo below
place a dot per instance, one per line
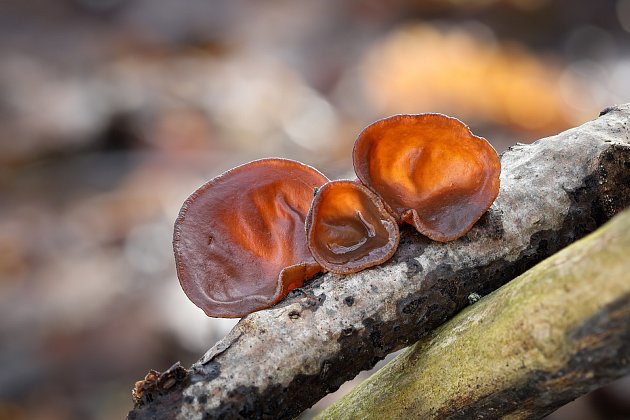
(277, 362)
(556, 332)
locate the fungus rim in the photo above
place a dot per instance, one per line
(410, 215)
(376, 200)
(220, 309)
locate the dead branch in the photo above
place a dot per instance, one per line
(277, 362)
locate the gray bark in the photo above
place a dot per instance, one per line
(278, 362)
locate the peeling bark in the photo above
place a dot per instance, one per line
(277, 362)
(556, 332)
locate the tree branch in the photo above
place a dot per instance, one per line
(277, 362)
(556, 332)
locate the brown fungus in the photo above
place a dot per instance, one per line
(348, 228)
(430, 170)
(239, 241)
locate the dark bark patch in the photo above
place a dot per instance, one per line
(489, 226)
(305, 296)
(613, 177)
(607, 110)
(209, 372)
(167, 387)
(413, 267)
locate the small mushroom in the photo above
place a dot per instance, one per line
(349, 229)
(430, 170)
(239, 241)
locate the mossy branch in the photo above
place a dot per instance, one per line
(545, 338)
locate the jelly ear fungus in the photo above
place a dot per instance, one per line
(348, 228)
(239, 240)
(430, 170)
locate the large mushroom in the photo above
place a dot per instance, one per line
(239, 240)
(348, 228)
(430, 170)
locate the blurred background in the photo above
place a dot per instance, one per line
(112, 112)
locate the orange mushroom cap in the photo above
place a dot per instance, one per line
(239, 241)
(349, 229)
(430, 170)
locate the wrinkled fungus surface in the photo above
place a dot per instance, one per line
(349, 229)
(430, 170)
(240, 244)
